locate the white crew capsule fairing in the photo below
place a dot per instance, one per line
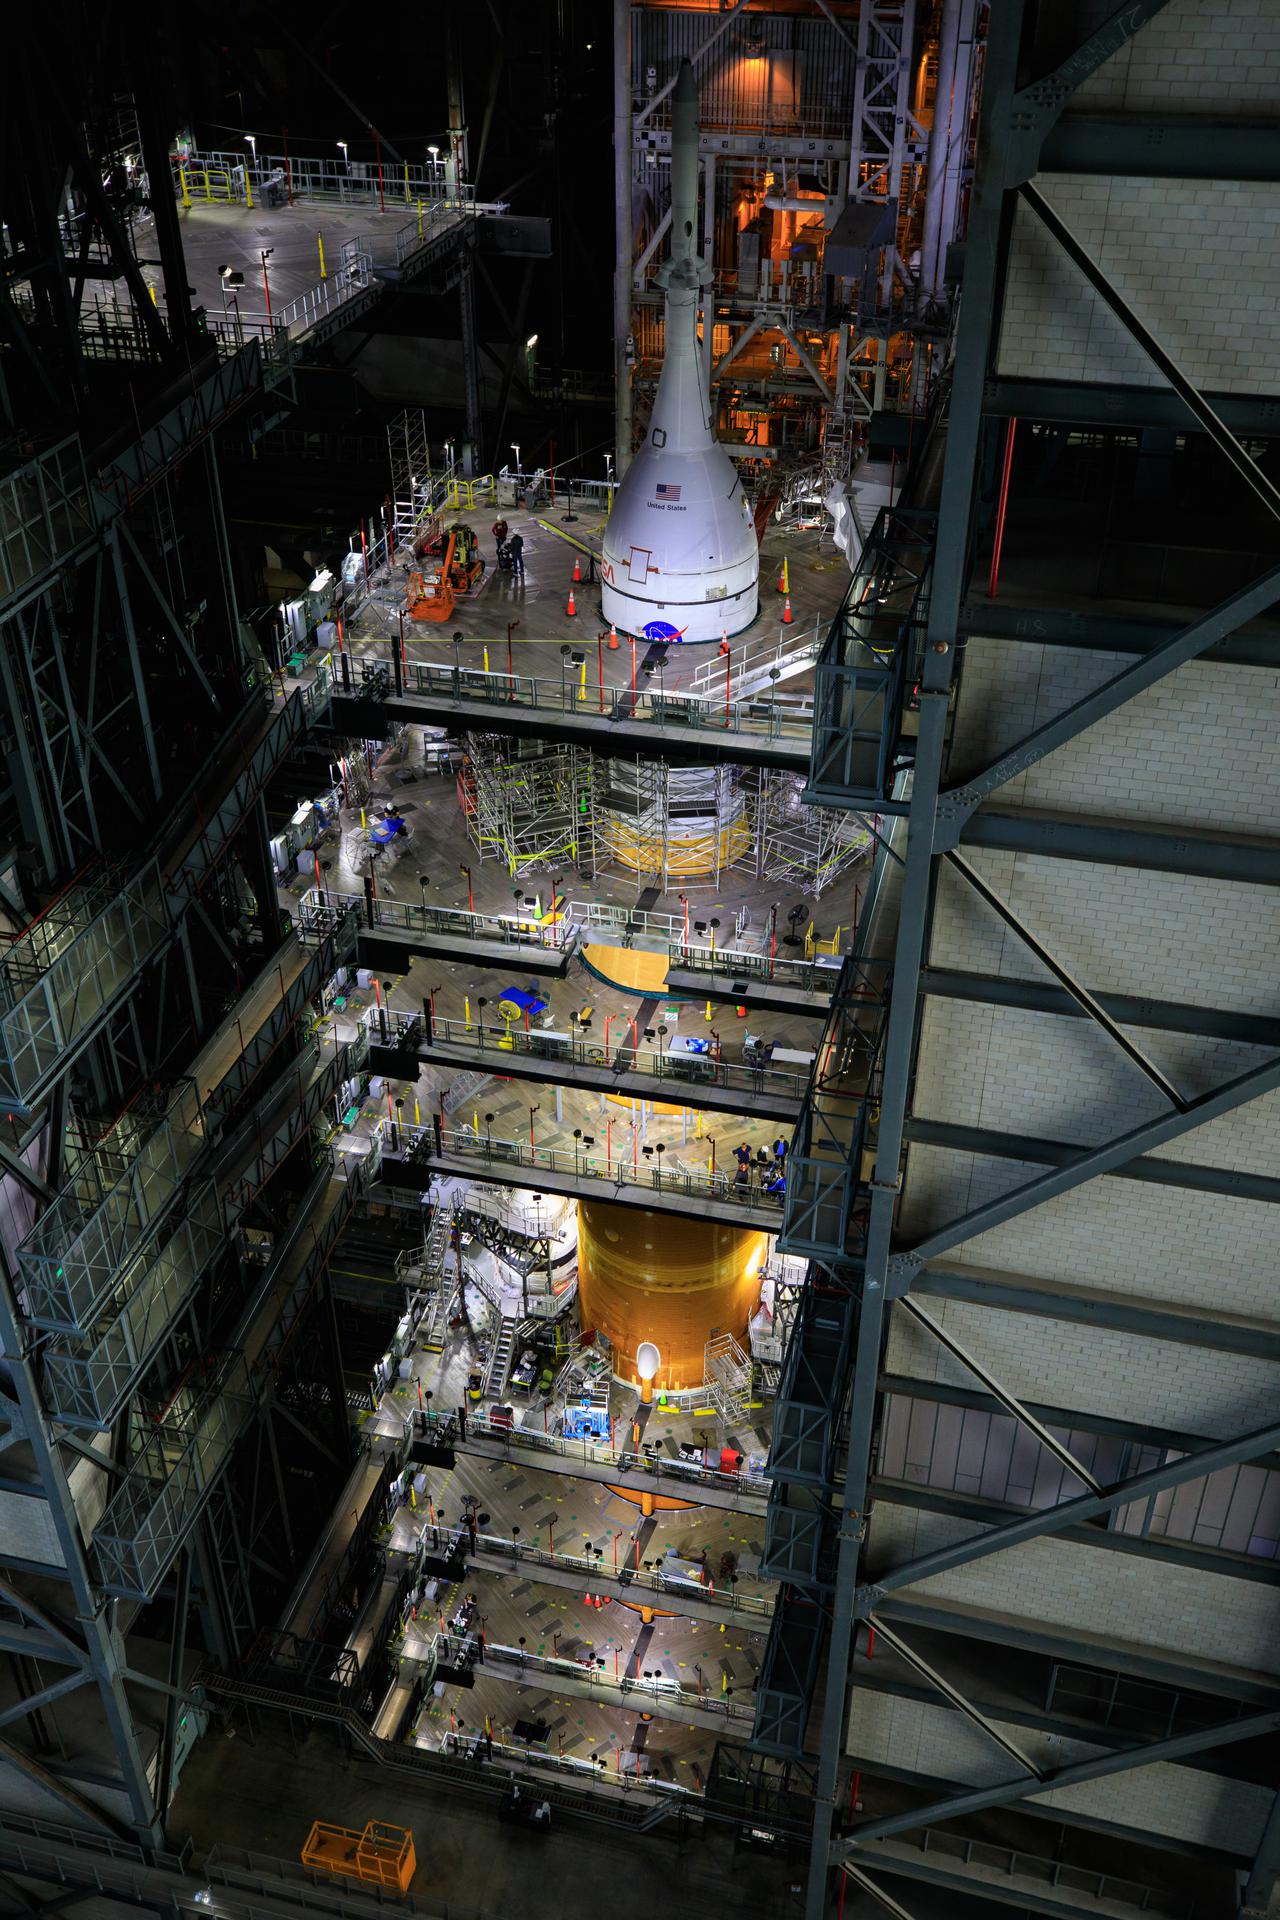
(680, 547)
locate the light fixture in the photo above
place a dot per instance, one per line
(755, 43)
(531, 342)
(434, 152)
(343, 145)
(253, 142)
(648, 1360)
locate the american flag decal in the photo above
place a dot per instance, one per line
(664, 492)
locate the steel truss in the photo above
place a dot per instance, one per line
(892, 637)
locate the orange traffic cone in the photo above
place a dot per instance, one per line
(577, 568)
(613, 639)
(571, 610)
(787, 615)
(784, 581)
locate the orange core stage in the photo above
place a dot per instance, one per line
(674, 1282)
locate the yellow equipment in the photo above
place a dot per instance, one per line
(383, 1856)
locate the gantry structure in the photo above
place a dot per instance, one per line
(168, 1206)
(1024, 1478)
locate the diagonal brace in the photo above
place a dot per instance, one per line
(1104, 1766)
(1006, 1399)
(1081, 995)
(1036, 107)
(33, 1702)
(956, 806)
(1043, 1521)
(1088, 1165)
(953, 1695)
(875, 1891)
(1187, 391)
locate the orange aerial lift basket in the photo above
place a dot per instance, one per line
(381, 1856)
(434, 602)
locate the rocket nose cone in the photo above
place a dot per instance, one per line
(686, 88)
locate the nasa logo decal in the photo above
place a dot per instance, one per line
(659, 630)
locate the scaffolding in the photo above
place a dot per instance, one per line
(670, 824)
(529, 803)
(728, 1379)
(803, 846)
(409, 454)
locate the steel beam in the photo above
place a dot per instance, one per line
(876, 1892)
(1094, 1307)
(1265, 1870)
(1005, 1398)
(1038, 996)
(33, 1702)
(1150, 146)
(1069, 1513)
(953, 1695)
(1264, 1187)
(974, 340)
(1067, 1645)
(1084, 1000)
(1035, 109)
(958, 803)
(1101, 1767)
(1203, 856)
(1104, 633)
(1228, 446)
(1090, 1164)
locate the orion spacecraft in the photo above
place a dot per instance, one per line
(680, 551)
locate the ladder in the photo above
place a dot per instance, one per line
(500, 1359)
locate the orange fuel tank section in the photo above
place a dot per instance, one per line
(654, 1276)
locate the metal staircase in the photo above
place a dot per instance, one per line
(495, 1378)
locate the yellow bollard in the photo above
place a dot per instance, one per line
(486, 659)
(186, 191)
(475, 1125)
(420, 236)
(708, 1013)
(417, 1112)
(466, 1007)
(151, 290)
(248, 191)
(362, 830)
(406, 183)
(582, 684)
(324, 275)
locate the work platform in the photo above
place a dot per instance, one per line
(688, 1195)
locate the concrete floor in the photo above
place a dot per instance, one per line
(262, 1793)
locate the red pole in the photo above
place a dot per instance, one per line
(871, 1641)
(713, 1162)
(600, 653)
(339, 633)
(844, 1881)
(855, 1788)
(608, 1139)
(1002, 504)
(403, 662)
(288, 170)
(551, 1532)
(633, 672)
(364, 552)
(377, 153)
(266, 287)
